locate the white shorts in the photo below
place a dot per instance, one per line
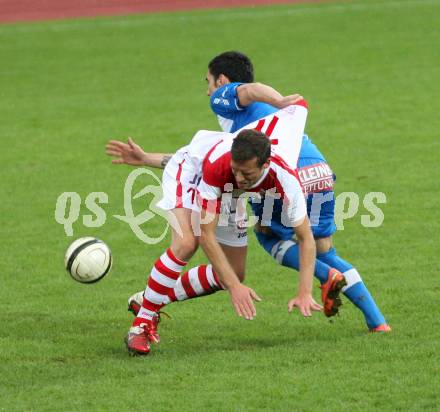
(179, 185)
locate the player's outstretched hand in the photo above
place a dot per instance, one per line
(306, 305)
(242, 299)
(288, 101)
(128, 153)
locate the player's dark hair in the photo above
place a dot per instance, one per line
(236, 66)
(250, 144)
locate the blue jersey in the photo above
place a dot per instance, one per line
(232, 116)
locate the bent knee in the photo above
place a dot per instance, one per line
(323, 245)
(185, 247)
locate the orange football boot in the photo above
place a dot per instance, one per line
(384, 328)
(330, 291)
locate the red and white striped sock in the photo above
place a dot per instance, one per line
(162, 280)
(199, 281)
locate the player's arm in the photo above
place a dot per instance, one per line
(307, 256)
(248, 93)
(297, 214)
(131, 153)
(241, 296)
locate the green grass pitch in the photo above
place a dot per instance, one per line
(370, 73)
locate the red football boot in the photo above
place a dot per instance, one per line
(137, 341)
(139, 338)
(150, 327)
(330, 291)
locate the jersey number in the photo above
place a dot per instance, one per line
(269, 129)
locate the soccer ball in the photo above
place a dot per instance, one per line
(88, 259)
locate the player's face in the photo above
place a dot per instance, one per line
(247, 173)
(213, 84)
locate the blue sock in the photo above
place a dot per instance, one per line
(356, 291)
(286, 253)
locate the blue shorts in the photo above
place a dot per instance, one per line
(317, 177)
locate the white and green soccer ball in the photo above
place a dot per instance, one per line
(88, 259)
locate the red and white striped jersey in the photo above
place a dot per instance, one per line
(278, 179)
(285, 129)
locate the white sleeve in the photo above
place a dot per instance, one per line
(209, 197)
(289, 133)
(208, 192)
